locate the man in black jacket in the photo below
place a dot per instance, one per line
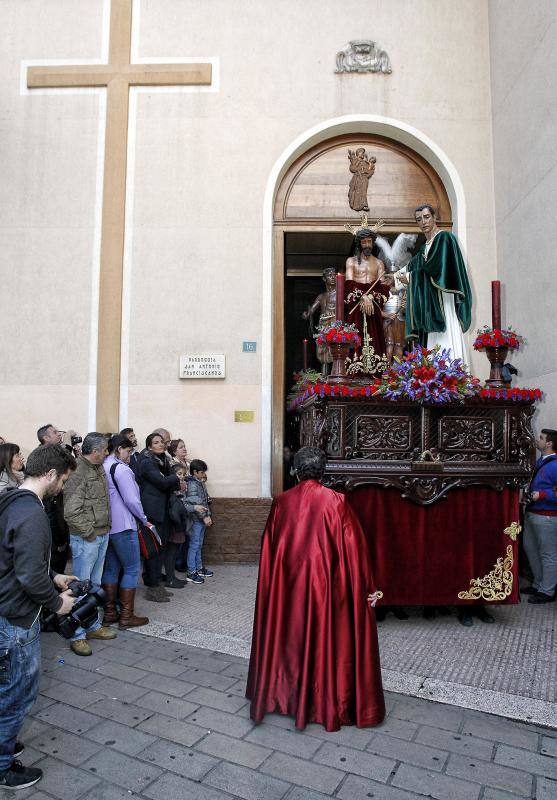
(54, 505)
(26, 586)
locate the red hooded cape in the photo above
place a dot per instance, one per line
(314, 653)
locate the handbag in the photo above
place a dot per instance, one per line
(149, 540)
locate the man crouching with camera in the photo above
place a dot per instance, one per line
(26, 586)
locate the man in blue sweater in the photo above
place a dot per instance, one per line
(540, 524)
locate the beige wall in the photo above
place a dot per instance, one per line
(48, 163)
(199, 171)
(523, 69)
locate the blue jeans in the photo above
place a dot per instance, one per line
(540, 545)
(122, 553)
(20, 671)
(197, 534)
(88, 562)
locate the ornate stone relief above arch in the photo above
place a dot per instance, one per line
(363, 55)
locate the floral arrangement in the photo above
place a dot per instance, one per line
(430, 376)
(301, 380)
(511, 394)
(339, 333)
(494, 337)
(322, 389)
(306, 376)
(423, 376)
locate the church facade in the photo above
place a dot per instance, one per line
(131, 240)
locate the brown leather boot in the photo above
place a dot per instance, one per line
(127, 617)
(110, 613)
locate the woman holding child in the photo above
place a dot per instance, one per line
(157, 481)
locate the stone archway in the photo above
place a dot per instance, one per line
(293, 203)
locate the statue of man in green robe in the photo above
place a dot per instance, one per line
(439, 305)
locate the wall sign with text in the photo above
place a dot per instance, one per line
(203, 366)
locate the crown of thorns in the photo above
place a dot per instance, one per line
(364, 224)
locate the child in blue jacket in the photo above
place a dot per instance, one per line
(198, 506)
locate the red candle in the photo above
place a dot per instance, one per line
(340, 297)
(496, 305)
(305, 343)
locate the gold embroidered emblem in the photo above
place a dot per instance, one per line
(369, 362)
(497, 584)
(513, 530)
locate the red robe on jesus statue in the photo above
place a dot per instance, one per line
(373, 323)
(315, 654)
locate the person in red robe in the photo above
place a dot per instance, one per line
(314, 653)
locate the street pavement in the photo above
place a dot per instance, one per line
(507, 668)
(163, 720)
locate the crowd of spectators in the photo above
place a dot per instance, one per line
(110, 508)
(118, 496)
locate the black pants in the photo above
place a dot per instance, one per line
(170, 554)
(152, 567)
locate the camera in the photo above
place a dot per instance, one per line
(84, 613)
(75, 439)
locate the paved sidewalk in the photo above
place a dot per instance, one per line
(164, 721)
(509, 668)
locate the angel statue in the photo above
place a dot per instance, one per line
(395, 258)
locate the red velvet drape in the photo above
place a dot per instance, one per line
(428, 554)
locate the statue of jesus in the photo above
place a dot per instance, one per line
(366, 292)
